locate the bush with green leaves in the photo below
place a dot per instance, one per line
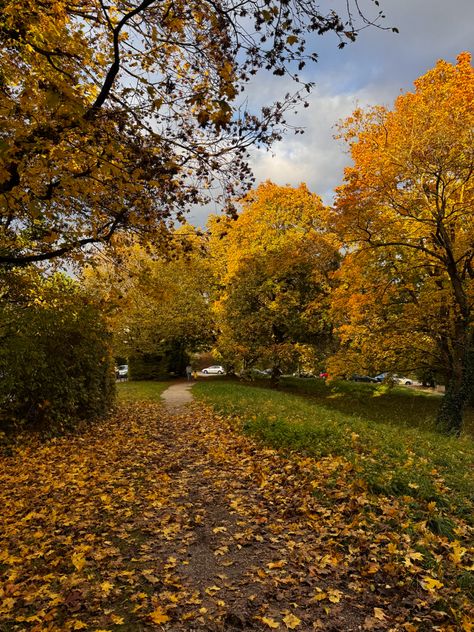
(55, 359)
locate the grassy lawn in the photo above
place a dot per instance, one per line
(385, 436)
(140, 391)
(401, 405)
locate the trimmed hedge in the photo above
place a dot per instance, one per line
(56, 365)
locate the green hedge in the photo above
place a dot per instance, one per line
(55, 360)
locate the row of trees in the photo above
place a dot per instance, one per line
(116, 117)
(382, 281)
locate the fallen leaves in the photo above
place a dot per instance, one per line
(100, 530)
(271, 623)
(291, 621)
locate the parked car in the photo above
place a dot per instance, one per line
(406, 381)
(395, 378)
(215, 369)
(262, 372)
(121, 371)
(324, 375)
(363, 378)
(305, 374)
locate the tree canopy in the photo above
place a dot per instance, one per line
(406, 216)
(121, 115)
(273, 266)
(155, 305)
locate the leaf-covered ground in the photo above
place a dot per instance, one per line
(151, 521)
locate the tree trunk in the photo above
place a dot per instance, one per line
(458, 393)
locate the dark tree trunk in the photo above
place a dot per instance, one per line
(459, 393)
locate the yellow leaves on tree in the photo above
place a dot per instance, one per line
(119, 116)
(273, 265)
(152, 301)
(406, 293)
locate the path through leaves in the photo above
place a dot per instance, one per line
(151, 521)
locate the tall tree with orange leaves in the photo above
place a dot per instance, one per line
(273, 266)
(406, 215)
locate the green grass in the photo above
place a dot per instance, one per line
(385, 435)
(401, 406)
(140, 391)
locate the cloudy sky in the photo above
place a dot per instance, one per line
(373, 70)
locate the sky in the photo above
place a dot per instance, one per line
(374, 70)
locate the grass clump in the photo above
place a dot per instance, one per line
(140, 391)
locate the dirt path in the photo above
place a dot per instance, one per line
(243, 543)
(236, 552)
(177, 396)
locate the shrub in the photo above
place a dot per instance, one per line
(55, 361)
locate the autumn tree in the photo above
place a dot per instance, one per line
(273, 265)
(406, 214)
(156, 306)
(119, 116)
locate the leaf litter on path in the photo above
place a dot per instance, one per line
(153, 521)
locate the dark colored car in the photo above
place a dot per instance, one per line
(363, 378)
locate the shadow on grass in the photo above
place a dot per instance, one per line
(400, 406)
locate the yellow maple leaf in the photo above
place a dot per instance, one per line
(379, 614)
(430, 583)
(106, 587)
(159, 616)
(116, 619)
(334, 595)
(279, 564)
(291, 621)
(457, 552)
(270, 622)
(319, 596)
(78, 561)
(467, 625)
(7, 604)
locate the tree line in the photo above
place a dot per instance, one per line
(382, 280)
(116, 118)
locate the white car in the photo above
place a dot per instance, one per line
(121, 371)
(215, 369)
(396, 379)
(403, 380)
